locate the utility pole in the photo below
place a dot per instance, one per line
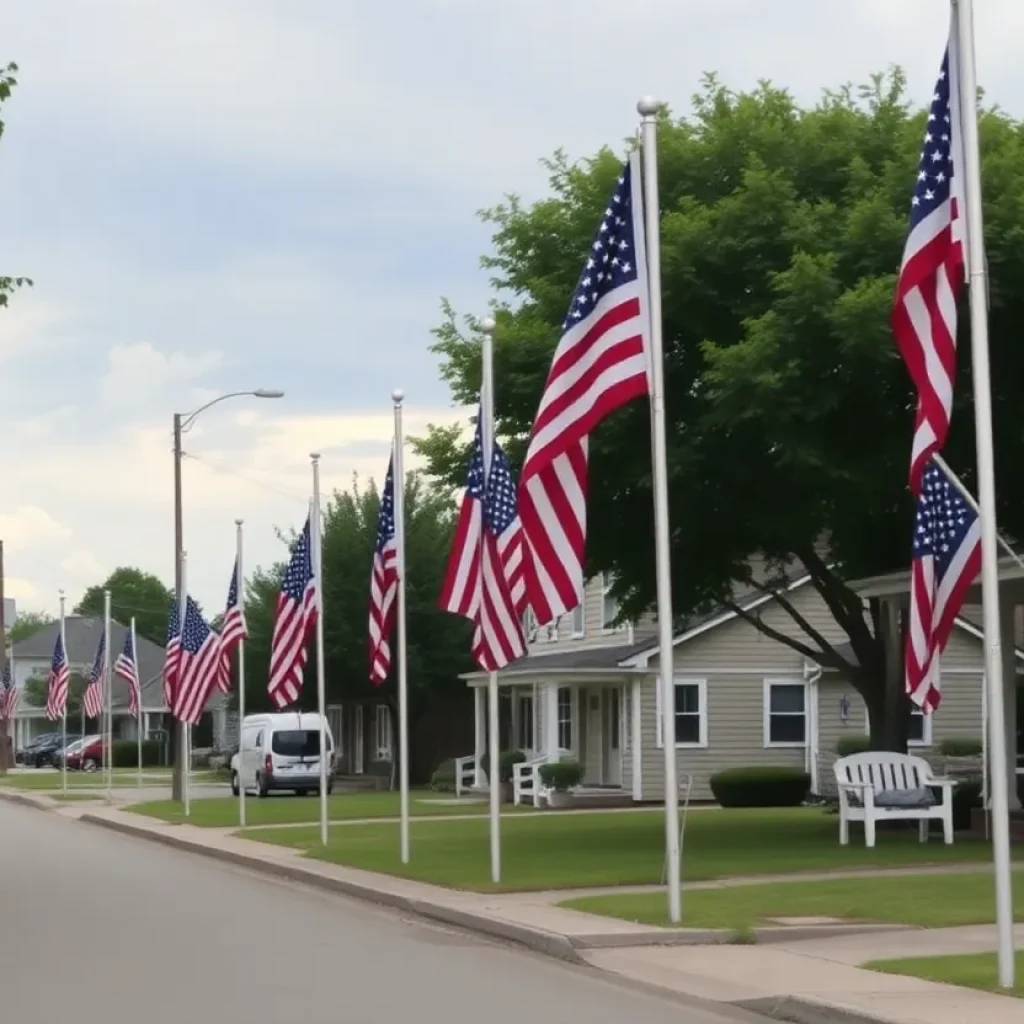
(177, 791)
(5, 759)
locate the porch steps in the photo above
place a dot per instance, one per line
(358, 783)
(601, 797)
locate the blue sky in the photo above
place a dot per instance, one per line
(216, 195)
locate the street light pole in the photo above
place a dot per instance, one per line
(181, 424)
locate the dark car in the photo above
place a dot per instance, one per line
(42, 755)
(24, 756)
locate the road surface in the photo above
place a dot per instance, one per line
(100, 928)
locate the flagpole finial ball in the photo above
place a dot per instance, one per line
(487, 325)
(397, 396)
(315, 456)
(648, 106)
(238, 522)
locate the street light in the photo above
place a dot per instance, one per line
(182, 422)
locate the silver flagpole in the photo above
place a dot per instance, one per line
(64, 712)
(186, 730)
(139, 715)
(403, 704)
(648, 109)
(962, 46)
(316, 551)
(493, 741)
(240, 584)
(109, 702)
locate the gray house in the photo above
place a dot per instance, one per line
(31, 657)
(589, 690)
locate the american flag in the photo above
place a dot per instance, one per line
(601, 363)
(924, 315)
(8, 694)
(93, 698)
(383, 582)
(172, 654)
(295, 617)
(947, 560)
(232, 631)
(59, 679)
(198, 664)
(127, 668)
(485, 567)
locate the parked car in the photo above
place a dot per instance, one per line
(66, 753)
(42, 755)
(281, 752)
(90, 755)
(24, 755)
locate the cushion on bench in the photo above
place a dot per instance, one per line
(899, 799)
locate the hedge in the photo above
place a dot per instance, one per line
(443, 779)
(758, 786)
(561, 775)
(848, 745)
(126, 753)
(960, 746)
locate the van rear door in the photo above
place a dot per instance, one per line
(296, 752)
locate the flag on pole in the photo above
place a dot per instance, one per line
(294, 618)
(484, 575)
(93, 697)
(127, 668)
(198, 665)
(947, 560)
(383, 582)
(8, 694)
(232, 631)
(172, 653)
(931, 277)
(59, 679)
(601, 363)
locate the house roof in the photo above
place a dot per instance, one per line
(82, 634)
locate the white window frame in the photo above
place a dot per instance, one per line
(528, 720)
(537, 634)
(382, 713)
(702, 691)
(766, 708)
(569, 720)
(579, 621)
(927, 731)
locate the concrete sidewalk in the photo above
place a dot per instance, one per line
(808, 972)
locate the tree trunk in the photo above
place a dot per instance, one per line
(888, 706)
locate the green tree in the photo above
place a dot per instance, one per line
(7, 83)
(132, 592)
(36, 690)
(26, 624)
(438, 643)
(789, 411)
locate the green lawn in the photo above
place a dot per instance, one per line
(973, 971)
(966, 899)
(222, 812)
(564, 851)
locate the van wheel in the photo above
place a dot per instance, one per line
(261, 787)
(234, 783)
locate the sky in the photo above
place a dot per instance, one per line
(223, 195)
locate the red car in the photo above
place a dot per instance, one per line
(89, 756)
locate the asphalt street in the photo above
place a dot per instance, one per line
(98, 927)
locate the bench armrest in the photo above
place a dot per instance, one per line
(854, 785)
(943, 782)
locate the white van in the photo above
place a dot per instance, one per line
(281, 752)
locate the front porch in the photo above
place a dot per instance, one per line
(586, 719)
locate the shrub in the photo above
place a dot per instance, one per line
(761, 787)
(443, 779)
(126, 753)
(507, 760)
(966, 797)
(848, 745)
(960, 746)
(561, 774)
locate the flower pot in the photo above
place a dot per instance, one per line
(560, 798)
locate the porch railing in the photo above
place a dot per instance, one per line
(526, 783)
(465, 774)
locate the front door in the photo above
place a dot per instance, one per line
(613, 737)
(358, 759)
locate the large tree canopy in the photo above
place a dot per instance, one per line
(438, 643)
(132, 593)
(789, 410)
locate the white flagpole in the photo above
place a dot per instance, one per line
(186, 730)
(139, 716)
(109, 702)
(240, 584)
(493, 741)
(316, 551)
(648, 109)
(403, 710)
(962, 46)
(64, 712)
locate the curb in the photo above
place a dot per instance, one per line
(548, 943)
(791, 1010)
(25, 800)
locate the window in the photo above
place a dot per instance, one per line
(382, 731)
(579, 625)
(919, 732)
(614, 719)
(785, 714)
(526, 722)
(564, 718)
(296, 743)
(609, 606)
(534, 633)
(691, 713)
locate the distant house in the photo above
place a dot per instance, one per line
(31, 657)
(589, 689)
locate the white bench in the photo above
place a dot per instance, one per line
(886, 786)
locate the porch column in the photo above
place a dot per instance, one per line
(479, 735)
(1007, 619)
(636, 738)
(550, 692)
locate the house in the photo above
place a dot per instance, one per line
(589, 689)
(31, 658)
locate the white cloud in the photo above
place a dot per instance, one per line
(138, 374)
